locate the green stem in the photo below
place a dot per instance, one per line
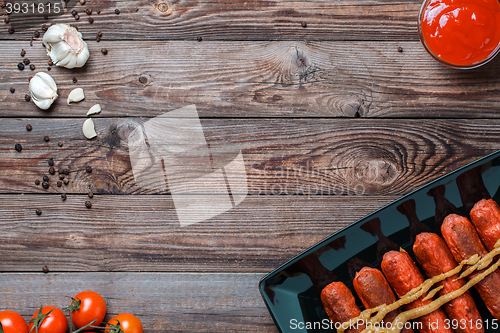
(87, 326)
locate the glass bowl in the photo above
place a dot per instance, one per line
(441, 61)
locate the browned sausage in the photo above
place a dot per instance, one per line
(463, 242)
(403, 275)
(435, 258)
(485, 216)
(373, 290)
(340, 305)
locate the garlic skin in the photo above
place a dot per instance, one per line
(76, 95)
(65, 46)
(88, 129)
(43, 90)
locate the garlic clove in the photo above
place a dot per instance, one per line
(76, 95)
(93, 110)
(65, 46)
(43, 90)
(88, 129)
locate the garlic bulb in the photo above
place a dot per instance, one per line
(43, 90)
(76, 95)
(65, 46)
(88, 129)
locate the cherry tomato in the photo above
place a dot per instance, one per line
(128, 323)
(53, 322)
(92, 307)
(12, 322)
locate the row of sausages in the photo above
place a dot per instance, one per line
(461, 240)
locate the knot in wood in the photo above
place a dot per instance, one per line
(162, 7)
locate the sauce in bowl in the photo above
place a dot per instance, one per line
(460, 33)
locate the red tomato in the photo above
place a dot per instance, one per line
(92, 307)
(12, 322)
(53, 322)
(128, 323)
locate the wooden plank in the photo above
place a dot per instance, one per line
(237, 20)
(257, 79)
(142, 233)
(164, 302)
(281, 156)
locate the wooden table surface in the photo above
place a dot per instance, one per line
(335, 106)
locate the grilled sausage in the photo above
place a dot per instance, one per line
(463, 242)
(485, 216)
(435, 258)
(340, 305)
(403, 275)
(373, 290)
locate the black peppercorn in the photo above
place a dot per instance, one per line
(66, 171)
(88, 204)
(88, 11)
(27, 98)
(51, 162)
(23, 53)
(11, 30)
(36, 34)
(45, 269)
(37, 181)
(61, 177)
(200, 39)
(98, 11)
(49, 68)
(32, 67)
(63, 196)
(74, 12)
(117, 11)
(77, 17)
(20, 66)
(303, 24)
(29, 127)
(52, 170)
(50, 63)
(91, 20)
(60, 144)
(143, 79)
(45, 178)
(45, 185)
(82, 2)
(59, 183)
(104, 51)
(75, 80)
(26, 61)
(6, 20)
(400, 49)
(88, 169)
(12, 89)
(18, 147)
(38, 211)
(66, 181)
(45, 27)
(46, 138)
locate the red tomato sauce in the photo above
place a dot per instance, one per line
(461, 32)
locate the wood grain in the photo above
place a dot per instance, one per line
(281, 156)
(257, 79)
(237, 20)
(142, 233)
(164, 302)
